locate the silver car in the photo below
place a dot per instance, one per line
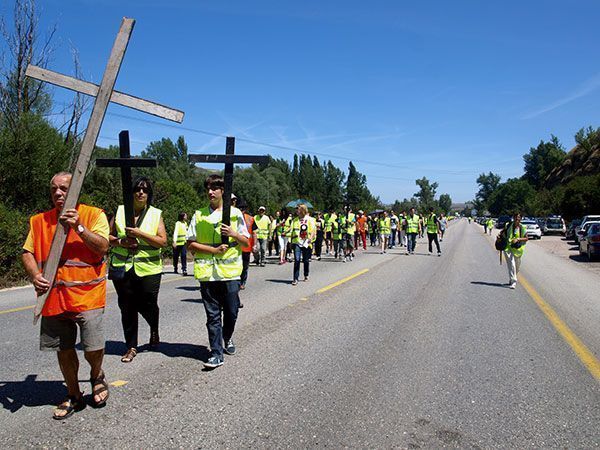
(533, 229)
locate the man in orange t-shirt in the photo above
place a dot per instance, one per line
(361, 230)
(78, 295)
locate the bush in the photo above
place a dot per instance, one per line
(13, 231)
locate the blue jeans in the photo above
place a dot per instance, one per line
(412, 241)
(393, 238)
(218, 295)
(304, 253)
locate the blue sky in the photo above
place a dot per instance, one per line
(445, 90)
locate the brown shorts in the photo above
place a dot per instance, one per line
(60, 332)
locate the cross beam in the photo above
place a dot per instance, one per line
(104, 94)
(125, 163)
(229, 159)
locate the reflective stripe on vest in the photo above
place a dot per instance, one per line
(385, 226)
(209, 267)
(145, 259)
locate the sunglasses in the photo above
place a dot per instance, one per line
(142, 189)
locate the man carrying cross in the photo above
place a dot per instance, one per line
(78, 295)
(218, 266)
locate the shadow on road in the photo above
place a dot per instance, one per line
(271, 280)
(192, 300)
(189, 288)
(31, 393)
(485, 283)
(170, 349)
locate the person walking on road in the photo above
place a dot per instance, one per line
(303, 235)
(393, 229)
(349, 235)
(320, 227)
(284, 228)
(433, 231)
(218, 268)
(384, 230)
(413, 228)
(443, 224)
(136, 265)
(490, 225)
(362, 228)
(246, 249)
(77, 295)
(179, 244)
(516, 234)
(261, 228)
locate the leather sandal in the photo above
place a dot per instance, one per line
(71, 405)
(100, 380)
(128, 357)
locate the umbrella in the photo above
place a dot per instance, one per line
(298, 201)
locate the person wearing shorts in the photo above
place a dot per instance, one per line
(77, 295)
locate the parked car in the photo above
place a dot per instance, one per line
(554, 225)
(533, 229)
(584, 228)
(589, 242)
(589, 218)
(502, 221)
(570, 234)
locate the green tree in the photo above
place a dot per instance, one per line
(334, 187)
(488, 183)
(514, 195)
(540, 161)
(445, 203)
(426, 194)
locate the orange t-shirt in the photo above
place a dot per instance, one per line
(361, 222)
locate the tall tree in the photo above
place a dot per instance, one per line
(488, 183)
(540, 161)
(426, 194)
(334, 187)
(445, 203)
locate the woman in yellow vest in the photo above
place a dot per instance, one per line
(136, 265)
(303, 235)
(179, 243)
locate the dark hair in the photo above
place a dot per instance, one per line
(139, 181)
(241, 204)
(214, 182)
(181, 216)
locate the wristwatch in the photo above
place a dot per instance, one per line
(80, 229)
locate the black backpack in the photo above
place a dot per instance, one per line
(501, 240)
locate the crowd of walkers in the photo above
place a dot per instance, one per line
(222, 255)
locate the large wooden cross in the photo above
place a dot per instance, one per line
(104, 94)
(229, 159)
(125, 162)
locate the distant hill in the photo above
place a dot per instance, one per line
(579, 162)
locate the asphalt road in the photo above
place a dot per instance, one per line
(416, 352)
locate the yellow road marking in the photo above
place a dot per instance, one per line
(22, 308)
(119, 383)
(337, 283)
(304, 299)
(583, 353)
(110, 290)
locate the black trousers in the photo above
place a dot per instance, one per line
(319, 244)
(245, 265)
(137, 295)
(433, 237)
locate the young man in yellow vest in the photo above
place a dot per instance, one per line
(413, 228)
(179, 244)
(261, 229)
(218, 267)
(433, 231)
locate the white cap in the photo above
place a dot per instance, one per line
(262, 207)
(233, 196)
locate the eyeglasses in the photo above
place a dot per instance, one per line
(141, 189)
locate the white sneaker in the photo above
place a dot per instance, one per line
(513, 286)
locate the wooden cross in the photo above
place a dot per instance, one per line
(104, 94)
(229, 159)
(126, 162)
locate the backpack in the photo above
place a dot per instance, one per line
(501, 240)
